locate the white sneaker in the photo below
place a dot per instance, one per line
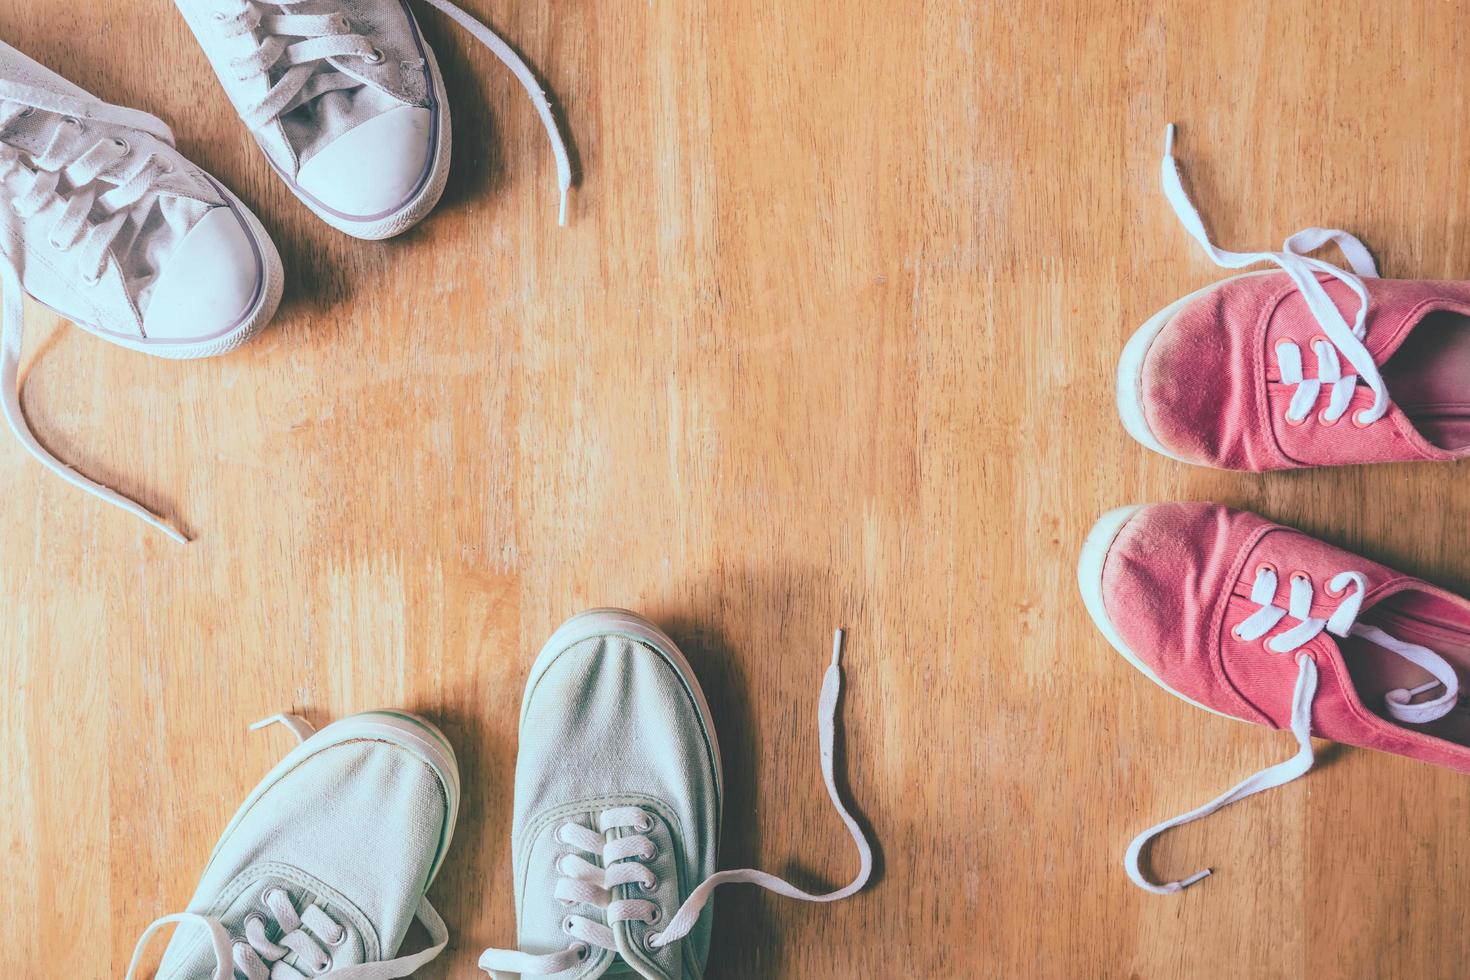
(347, 102)
(326, 864)
(617, 808)
(102, 220)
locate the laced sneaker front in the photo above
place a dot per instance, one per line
(105, 222)
(326, 864)
(347, 102)
(617, 808)
(1260, 622)
(1315, 365)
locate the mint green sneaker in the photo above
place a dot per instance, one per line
(617, 808)
(326, 863)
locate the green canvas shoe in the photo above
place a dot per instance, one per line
(617, 808)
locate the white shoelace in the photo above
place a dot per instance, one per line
(71, 153)
(304, 41)
(585, 884)
(256, 956)
(1302, 268)
(1351, 586)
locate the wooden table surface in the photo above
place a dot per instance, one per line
(829, 341)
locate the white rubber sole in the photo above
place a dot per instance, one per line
(417, 735)
(621, 622)
(1130, 369)
(1089, 581)
(273, 284)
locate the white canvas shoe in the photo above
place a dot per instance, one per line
(326, 864)
(617, 808)
(105, 222)
(346, 100)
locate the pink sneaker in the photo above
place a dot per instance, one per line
(1263, 371)
(1260, 622)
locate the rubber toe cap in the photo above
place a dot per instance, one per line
(209, 284)
(375, 168)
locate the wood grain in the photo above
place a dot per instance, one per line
(829, 340)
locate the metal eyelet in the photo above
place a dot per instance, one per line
(26, 113)
(582, 953)
(1358, 419)
(376, 58)
(644, 825)
(122, 144)
(650, 942)
(72, 121)
(566, 925)
(1301, 576)
(341, 938)
(658, 914)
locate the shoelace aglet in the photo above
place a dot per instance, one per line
(1405, 696)
(1169, 140)
(1197, 876)
(837, 647)
(566, 192)
(174, 533)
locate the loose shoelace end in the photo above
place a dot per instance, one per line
(1169, 131)
(837, 648)
(142, 513)
(1197, 876)
(561, 217)
(1402, 696)
(173, 532)
(297, 725)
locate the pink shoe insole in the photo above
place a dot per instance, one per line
(1429, 378)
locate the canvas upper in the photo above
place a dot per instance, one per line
(613, 722)
(1315, 365)
(346, 100)
(1178, 582)
(1213, 388)
(326, 864)
(109, 225)
(617, 809)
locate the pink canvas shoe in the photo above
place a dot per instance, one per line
(1260, 622)
(1264, 371)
